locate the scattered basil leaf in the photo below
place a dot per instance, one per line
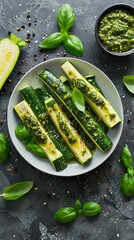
(52, 41)
(127, 180)
(126, 158)
(127, 185)
(129, 82)
(91, 209)
(66, 17)
(4, 148)
(68, 214)
(73, 45)
(65, 215)
(78, 99)
(17, 190)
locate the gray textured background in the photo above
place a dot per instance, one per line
(31, 218)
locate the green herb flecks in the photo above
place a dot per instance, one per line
(16, 190)
(71, 42)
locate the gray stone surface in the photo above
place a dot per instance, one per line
(31, 217)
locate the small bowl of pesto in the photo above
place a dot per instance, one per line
(114, 30)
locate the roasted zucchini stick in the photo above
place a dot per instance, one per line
(101, 106)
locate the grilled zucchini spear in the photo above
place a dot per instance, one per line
(33, 125)
(101, 106)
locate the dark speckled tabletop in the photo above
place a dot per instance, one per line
(31, 217)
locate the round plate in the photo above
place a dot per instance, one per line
(31, 77)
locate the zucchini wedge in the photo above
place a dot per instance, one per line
(85, 119)
(9, 53)
(68, 132)
(33, 125)
(101, 106)
(38, 107)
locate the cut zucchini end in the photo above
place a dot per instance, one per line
(9, 53)
(59, 164)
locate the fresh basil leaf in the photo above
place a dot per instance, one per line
(91, 209)
(21, 131)
(52, 41)
(65, 215)
(65, 17)
(17, 190)
(78, 207)
(73, 45)
(129, 82)
(35, 148)
(126, 158)
(78, 204)
(78, 99)
(127, 185)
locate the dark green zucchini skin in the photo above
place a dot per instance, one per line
(85, 119)
(39, 109)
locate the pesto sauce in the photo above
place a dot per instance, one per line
(63, 126)
(116, 31)
(34, 127)
(93, 96)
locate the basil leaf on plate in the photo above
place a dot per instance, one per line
(78, 99)
(128, 81)
(16, 190)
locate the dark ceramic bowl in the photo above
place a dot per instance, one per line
(104, 13)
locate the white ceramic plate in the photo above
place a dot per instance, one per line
(31, 77)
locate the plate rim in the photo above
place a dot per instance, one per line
(61, 173)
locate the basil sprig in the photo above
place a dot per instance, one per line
(69, 214)
(16, 190)
(71, 42)
(129, 82)
(127, 180)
